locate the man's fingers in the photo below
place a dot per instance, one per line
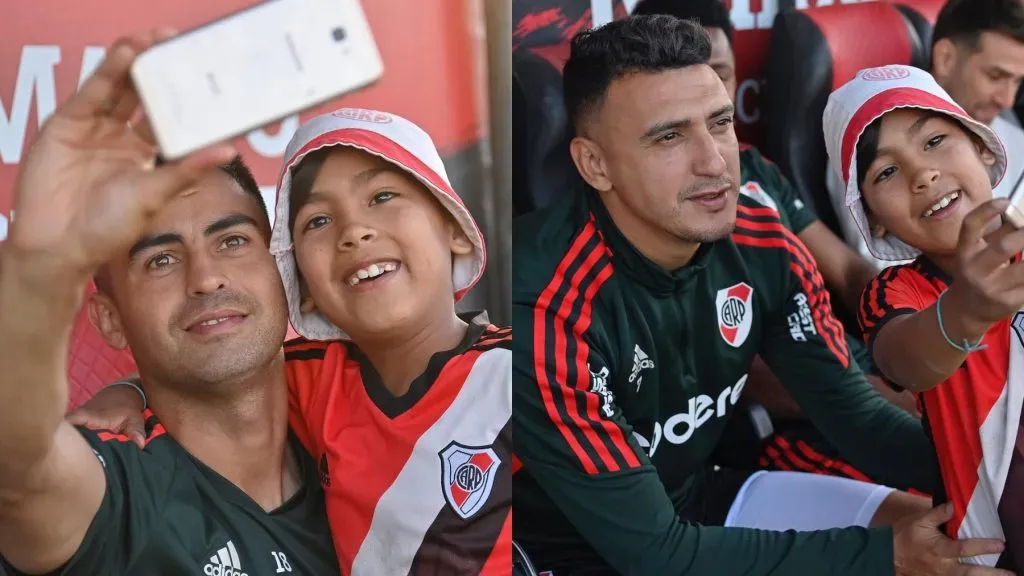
(143, 128)
(127, 105)
(979, 547)
(76, 419)
(102, 91)
(156, 186)
(976, 224)
(938, 515)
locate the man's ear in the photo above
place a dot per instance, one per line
(589, 160)
(944, 58)
(106, 319)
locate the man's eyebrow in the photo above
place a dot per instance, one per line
(147, 242)
(726, 110)
(664, 127)
(230, 221)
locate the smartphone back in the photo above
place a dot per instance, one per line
(253, 67)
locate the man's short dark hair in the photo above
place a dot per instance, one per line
(963, 21)
(242, 175)
(638, 44)
(709, 13)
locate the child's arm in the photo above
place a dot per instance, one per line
(910, 348)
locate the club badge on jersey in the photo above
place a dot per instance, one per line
(467, 477)
(734, 314)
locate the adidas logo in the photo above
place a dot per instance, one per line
(225, 563)
(640, 362)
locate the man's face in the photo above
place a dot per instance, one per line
(984, 81)
(722, 61)
(928, 175)
(662, 149)
(198, 298)
(374, 247)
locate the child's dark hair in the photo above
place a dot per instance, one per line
(303, 176)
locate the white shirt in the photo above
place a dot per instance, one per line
(1012, 136)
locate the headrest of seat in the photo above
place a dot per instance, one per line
(542, 167)
(929, 9)
(813, 52)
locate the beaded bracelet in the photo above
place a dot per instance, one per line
(966, 347)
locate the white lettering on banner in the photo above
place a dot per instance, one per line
(804, 4)
(748, 85)
(743, 19)
(273, 145)
(602, 11)
(700, 409)
(35, 75)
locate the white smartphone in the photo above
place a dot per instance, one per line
(1014, 213)
(251, 68)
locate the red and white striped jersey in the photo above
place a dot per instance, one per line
(973, 416)
(422, 483)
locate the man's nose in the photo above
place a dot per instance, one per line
(205, 276)
(708, 159)
(1007, 95)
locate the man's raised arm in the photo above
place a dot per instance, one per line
(83, 194)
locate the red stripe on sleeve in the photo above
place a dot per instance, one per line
(826, 324)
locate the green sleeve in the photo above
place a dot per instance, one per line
(799, 214)
(574, 442)
(805, 346)
(132, 506)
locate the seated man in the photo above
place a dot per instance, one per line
(613, 445)
(978, 58)
(221, 487)
(796, 445)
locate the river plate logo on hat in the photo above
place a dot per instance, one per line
(883, 73)
(361, 115)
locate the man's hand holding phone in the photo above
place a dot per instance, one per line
(89, 182)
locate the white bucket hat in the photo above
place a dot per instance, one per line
(872, 93)
(396, 140)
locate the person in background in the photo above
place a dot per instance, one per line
(796, 445)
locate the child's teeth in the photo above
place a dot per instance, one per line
(389, 267)
(374, 270)
(354, 280)
(363, 274)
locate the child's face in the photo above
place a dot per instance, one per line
(928, 174)
(373, 246)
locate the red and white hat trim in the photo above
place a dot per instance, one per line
(871, 94)
(401, 143)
